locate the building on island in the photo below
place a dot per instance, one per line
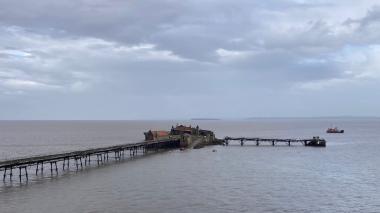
(180, 130)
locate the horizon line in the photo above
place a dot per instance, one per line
(205, 119)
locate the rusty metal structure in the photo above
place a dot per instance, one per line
(179, 137)
(315, 141)
(83, 158)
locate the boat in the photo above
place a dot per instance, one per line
(334, 130)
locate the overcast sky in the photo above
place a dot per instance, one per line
(171, 59)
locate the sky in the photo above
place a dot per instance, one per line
(149, 59)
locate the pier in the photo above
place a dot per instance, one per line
(315, 141)
(178, 137)
(83, 158)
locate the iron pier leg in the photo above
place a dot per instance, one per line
(64, 163)
(5, 173)
(99, 158)
(56, 167)
(26, 173)
(11, 174)
(289, 143)
(241, 142)
(37, 168)
(51, 168)
(272, 143)
(19, 173)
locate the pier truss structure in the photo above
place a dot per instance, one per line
(82, 158)
(315, 141)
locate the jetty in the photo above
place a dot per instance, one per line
(315, 141)
(178, 137)
(84, 157)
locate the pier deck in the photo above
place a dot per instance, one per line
(315, 141)
(100, 154)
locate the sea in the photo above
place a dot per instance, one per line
(342, 177)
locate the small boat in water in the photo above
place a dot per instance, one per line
(334, 130)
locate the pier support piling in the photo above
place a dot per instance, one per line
(78, 161)
(99, 158)
(52, 165)
(25, 171)
(315, 141)
(102, 154)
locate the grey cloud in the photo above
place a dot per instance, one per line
(134, 55)
(372, 17)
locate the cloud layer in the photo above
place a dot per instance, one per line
(179, 59)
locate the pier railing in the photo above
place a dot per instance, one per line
(315, 141)
(102, 155)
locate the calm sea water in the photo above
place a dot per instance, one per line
(343, 177)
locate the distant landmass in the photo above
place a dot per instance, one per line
(205, 119)
(318, 117)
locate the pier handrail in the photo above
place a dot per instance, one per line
(267, 139)
(71, 154)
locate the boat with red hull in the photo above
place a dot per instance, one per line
(334, 130)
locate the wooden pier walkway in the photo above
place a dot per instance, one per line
(101, 155)
(315, 141)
